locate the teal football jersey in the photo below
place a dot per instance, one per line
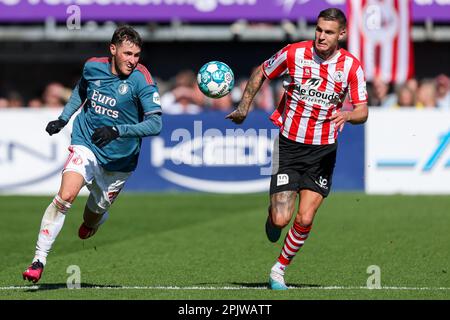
(110, 100)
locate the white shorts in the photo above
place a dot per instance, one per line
(104, 186)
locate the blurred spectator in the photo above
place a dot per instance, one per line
(198, 97)
(379, 95)
(405, 97)
(264, 99)
(15, 100)
(184, 102)
(187, 81)
(279, 92)
(236, 92)
(3, 103)
(426, 94)
(443, 92)
(184, 96)
(35, 103)
(224, 104)
(413, 85)
(163, 86)
(55, 95)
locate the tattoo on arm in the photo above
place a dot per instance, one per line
(251, 89)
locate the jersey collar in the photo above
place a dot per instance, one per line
(332, 59)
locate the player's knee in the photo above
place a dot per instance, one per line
(280, 221)
(305, 222)
(305, 219)
(67, 196)
(280, 218)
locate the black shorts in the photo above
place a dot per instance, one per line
(302, 166)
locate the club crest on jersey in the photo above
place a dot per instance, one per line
(338, 76)
(123, 88)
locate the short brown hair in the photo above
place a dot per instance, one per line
(126, 33)
(334, 14)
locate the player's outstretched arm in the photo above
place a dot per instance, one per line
(151, 126)
(359, 115)
(251, 89)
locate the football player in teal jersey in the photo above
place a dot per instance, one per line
(119, 104)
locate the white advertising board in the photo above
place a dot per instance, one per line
(408, 152)
(30, 160)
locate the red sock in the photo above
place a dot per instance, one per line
(294, 240)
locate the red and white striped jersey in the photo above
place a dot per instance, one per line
(314, 90)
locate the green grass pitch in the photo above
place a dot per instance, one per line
(204, 246)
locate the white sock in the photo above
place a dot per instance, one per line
(51, 225)
(279, 268)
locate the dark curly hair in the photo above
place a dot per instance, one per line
(126, 33)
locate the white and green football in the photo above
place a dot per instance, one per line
(215, 79)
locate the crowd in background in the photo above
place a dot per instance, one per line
(181, 95)
(426, 93)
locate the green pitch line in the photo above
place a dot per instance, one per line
(202, 244)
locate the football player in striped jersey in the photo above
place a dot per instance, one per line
(317, 77)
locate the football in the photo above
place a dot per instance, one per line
(215, 79)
